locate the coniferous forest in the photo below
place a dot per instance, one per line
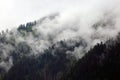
(59, 39)
(21, 60)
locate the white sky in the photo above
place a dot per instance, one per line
(15, 12)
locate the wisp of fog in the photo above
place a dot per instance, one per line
(91, 22)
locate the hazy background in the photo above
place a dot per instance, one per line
(15, 12)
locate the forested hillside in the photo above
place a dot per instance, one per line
(102, 62)
(42, 50)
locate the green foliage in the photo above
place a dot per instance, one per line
(26, 28)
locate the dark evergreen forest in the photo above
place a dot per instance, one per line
(101, 62)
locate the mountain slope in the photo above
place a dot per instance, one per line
(48, 66)
(47, 49)
(100, 63)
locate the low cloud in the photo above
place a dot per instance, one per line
(90, 23)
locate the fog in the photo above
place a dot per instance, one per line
(91, 21)
(15, 12)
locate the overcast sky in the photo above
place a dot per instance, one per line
(15, 12)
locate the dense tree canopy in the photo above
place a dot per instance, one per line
(57, 62)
